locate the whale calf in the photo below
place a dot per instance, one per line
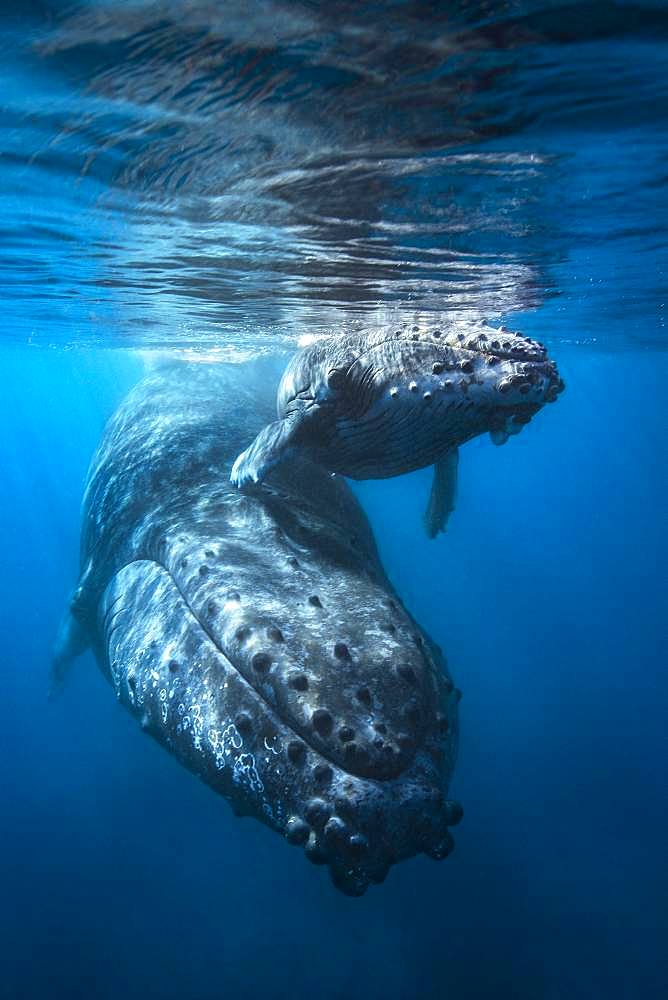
(256, 636)
(373, 405)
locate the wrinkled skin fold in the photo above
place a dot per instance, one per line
(255, 634)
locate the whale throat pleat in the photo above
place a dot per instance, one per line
(392, 443)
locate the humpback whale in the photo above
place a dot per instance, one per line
(373, 405)
(255, 634)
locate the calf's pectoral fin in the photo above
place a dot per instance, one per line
(443, 494)
(302, 428)
(271, 446)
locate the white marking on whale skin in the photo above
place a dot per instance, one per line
(167, 653)
(233, 737)
(275, 746)
(218, 749)
(244, 772)
(241, 473)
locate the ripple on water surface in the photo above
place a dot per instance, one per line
(240, 175)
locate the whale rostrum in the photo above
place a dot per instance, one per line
(255, 634)
(374, 405)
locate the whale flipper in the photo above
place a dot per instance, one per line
(274, 443)
(443, 494)
(72, 640)
(304, 428)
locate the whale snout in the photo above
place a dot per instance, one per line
(522, 382)
(511, 379)
(487, 379)
(503, 343)
(515, 366)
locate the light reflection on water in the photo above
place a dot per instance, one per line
(238, 175)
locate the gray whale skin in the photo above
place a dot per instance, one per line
(255, 635)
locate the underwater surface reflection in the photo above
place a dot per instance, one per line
(242, 174)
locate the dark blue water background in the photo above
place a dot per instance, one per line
(222, 180)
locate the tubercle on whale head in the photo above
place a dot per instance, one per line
(495, 368)
(506, 375)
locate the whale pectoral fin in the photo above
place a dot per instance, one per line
(443, 494)
(272, 445)
(307, 427)
(72, 640)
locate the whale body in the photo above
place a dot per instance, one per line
(379, 404)
(255, 634)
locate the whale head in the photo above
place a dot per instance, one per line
(390, 403)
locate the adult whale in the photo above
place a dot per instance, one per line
(254, 633)
(375, 404)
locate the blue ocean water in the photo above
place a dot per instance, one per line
(225, 180)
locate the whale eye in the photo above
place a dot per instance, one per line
(336, 379)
